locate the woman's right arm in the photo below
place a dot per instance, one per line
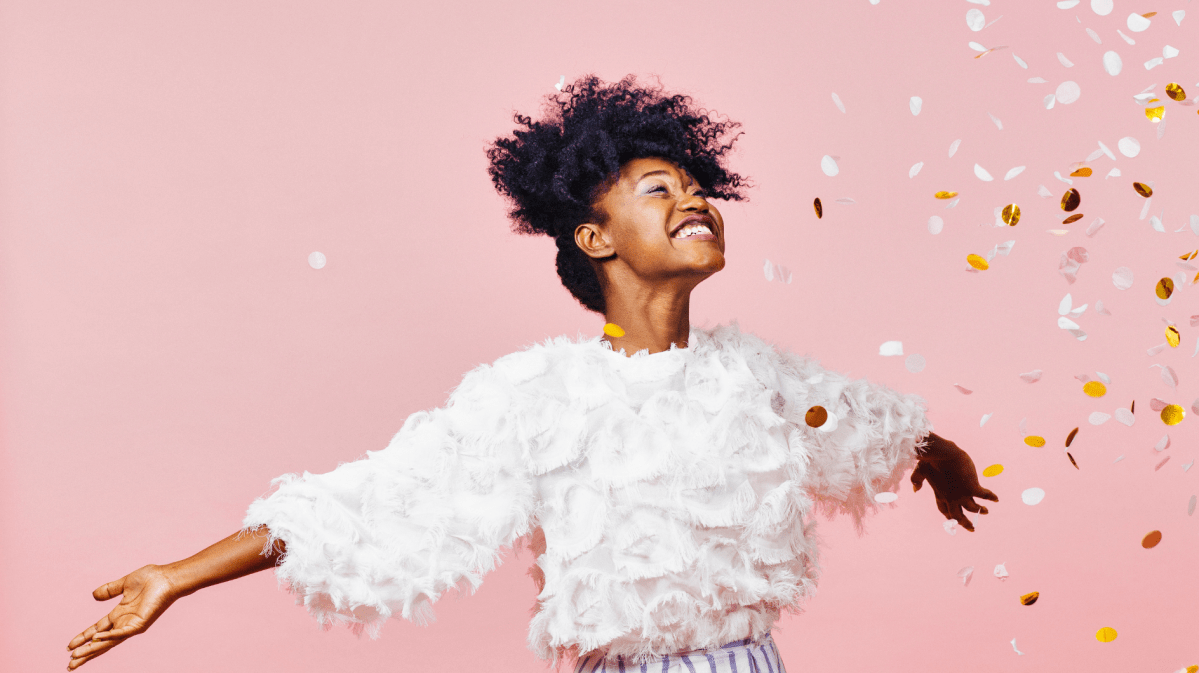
(147, 592)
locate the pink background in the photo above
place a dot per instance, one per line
(167, 350)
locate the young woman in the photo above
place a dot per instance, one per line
(668, 495)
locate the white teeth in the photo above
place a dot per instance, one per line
(691, 229)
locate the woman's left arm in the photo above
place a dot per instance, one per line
(953, 478)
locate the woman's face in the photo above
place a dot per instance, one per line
(659, 224)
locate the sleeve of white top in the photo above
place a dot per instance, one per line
(390, 533)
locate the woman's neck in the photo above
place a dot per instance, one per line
(652, 326)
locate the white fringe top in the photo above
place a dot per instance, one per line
(668, 497)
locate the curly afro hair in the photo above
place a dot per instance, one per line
(554, 170)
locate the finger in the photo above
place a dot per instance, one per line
(987, 495)
(944, 507)
(110, 590)
(960, 516)
(76, 663)
(918, 477)
(121, 633)
(103, 625)
(94, 647)
(970, 505)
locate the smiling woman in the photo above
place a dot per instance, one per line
(667, 495)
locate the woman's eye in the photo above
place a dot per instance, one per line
(656, 188)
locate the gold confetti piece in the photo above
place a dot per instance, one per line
(977, 262)
(993, 470)
(1155, 114)
(945, 195)
(1165, 288)
(1073, 218)
(816, 417)
(1193, 668)
(1105, 635)
(1071, 199)
(1172, 414)
(613, 330)
(1094, 388)
(1083, 172)
(819, 208)
(1189, 256)
(1070, 437)
(1011, 214)
(1072, 461)
(1150, 15)
(1132, 408)
(1029, 599)
(1143, 189)
(1033, 440)
(1173, 337)
(1175, 92)
(1151, 539)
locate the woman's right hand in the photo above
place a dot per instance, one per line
(145, 594)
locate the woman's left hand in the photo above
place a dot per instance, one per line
(954, 479)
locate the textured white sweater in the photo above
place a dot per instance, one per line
(668, 497)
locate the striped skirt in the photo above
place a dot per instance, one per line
(742, 656)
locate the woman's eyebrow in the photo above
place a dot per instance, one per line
(657, 172)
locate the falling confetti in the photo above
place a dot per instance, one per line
(966, 573)
(1122, 278)
(1164, 288)
(1151, 539)
(1137, 22)
(915, 363)
(953, 147)
(1098, 418)
(561, 82)
(1064, 61)
(1112, 64)
(1030, 598)
(1159, 465)
(1073, 218)
(891, 348)
(1014, 647)
(886, 497)
(613, 330)
(768, 270)
(1129, 146)
(316, 260)
(1014, 172)
(838, 103)
(1031, 377)
(1000, 571)
(915, 169)
(976, 20)
(962, 390)
(982, 174)
(1143, 189)
(945, 195)
(1034, 440)
(996, 121)
(1011, 214)
(1084, 172)
(977, 262)
(935, 224)
(829, 165)
(1191, 505)
(1125, 416)
(1175, 92)
(1173, 337)
(1032, 496)
(915, 104)
(1094, 389)
(993, 470)
(950, 526)
(1071, 199)
(816, 417)
(1173, 414)
(984, 419)
(1155, 114)
(1105, 635)
(1070, 437)
(1068, 92)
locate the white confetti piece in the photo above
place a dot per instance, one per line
(953, 147)
(1106, 151)
(1164, 461)
(561, 82)
(768, 269)
(985, 418)
(1032, 496)
(1118, 458)
(1170, 377)
(915, 169)
(996, 120)
(1019, 61)
(846, 201)
(1036, 80)
(962, 390)
(1137, 23)
(1101, 7)
(1061, 58)
(316, 260)
(1049, 101)
(1058, 175)
(1013, 172)
(915, 363)
(966, 573)
(952, 203)
(1125, 416)
(1066, 323)
(950, 526)
(886, 497)
(1098, 418)
(1195, 224)
(984, 3)
(891, 348)
(1063, 306)
(829, 165)
(1092, 229)
(1154, 62)
(1001, 571)
(977, 47)
(982, 174)
(1113, 173)
(1107, 380)
(1187, 467)
(1068, 92)
(1058, 232)
(935, 224)
(1032, 377)
(1145, 208)
(1024, 426)
(1112, 63)
(975, 20)
(1129, 146)
(1013, 639)
(1067, 4)
(1157, 405)
(1044, 192)
(837, 102)
(915, 104)
(1191, 505)
(1162, 444)
(1169, 52)
(1127, 39)
(1178, 14)
(1101, 309)
(1094, 36)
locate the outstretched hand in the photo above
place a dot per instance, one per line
(953, 478)
(145, 594)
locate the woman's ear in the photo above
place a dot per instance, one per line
(592, 239)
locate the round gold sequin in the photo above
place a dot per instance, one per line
(1094, 388)
(1084, 172)
(1105, 635)
(1173, 337)
(1033, 440)
(1070, 437)
(1155, 114)
(1011, 214)
(977, 262)
(1165, 288)
(1071, 199)
(613, 330)
(1175, 92)
(1029, 599)
(1172, 414)
(1143, 189)
(816, 417)
(993, 470)
(819, 208)
(945, 195)
(1073, 218)
(1151, 539)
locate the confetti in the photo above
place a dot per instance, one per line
(1032, 496)
(1011, 214)
(1125, 416)
(1070, 437)
(1164, 288)
(816, 417)
(1162, 444)
(976, 20)
(1098, 418)
(838, 103)
(1030, 598)
(996, 120)
(1034, 441)
(846, 201)
(1072, 461)
(977, 262)
(1178, 14)
(1019, 61)
(952, 204)
(1084, 172)
(1067, 4)
(1159, 465)
(915, 104)
(1127, 39)
(953, 147)
(1099, 307)
(993, 470)
(982, 174)
(829, 165)
(1094, 36)
(977, 47)
(316, 260)
(984, 420)
(561, 82)
(1061, 58)
(891, 348)
(1014, 172)
(964, 391)
(1169, 52)
(1073, 218)
(818, 208)
(1112, 64)
(950, 526)
(1191, 505)
(945, 195)
(915, 363)
(966, 573)
(1151, 539)
(1036, 80)
(1101, 7)
(886, 497)
(1000, 571)
(1058, 175)
(613, 330)
(1154, 62)
(1173, 414)
(1105, 635)
(1122, 278)
(1094, 389)
(1175, 92)
(1129, 146)
(915, 169)
(935, 224)
(768, 270)
(1137, 23)
(1044, 192)
(1155, 114)
(1049, 101)
(1068, 92)
(1143, 189)
(1173, 337)
(1014, 647)
(1071, 199)
(1118, 458)
(1031, 377)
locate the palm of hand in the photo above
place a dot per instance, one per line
(145, 594)
(954, 480)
